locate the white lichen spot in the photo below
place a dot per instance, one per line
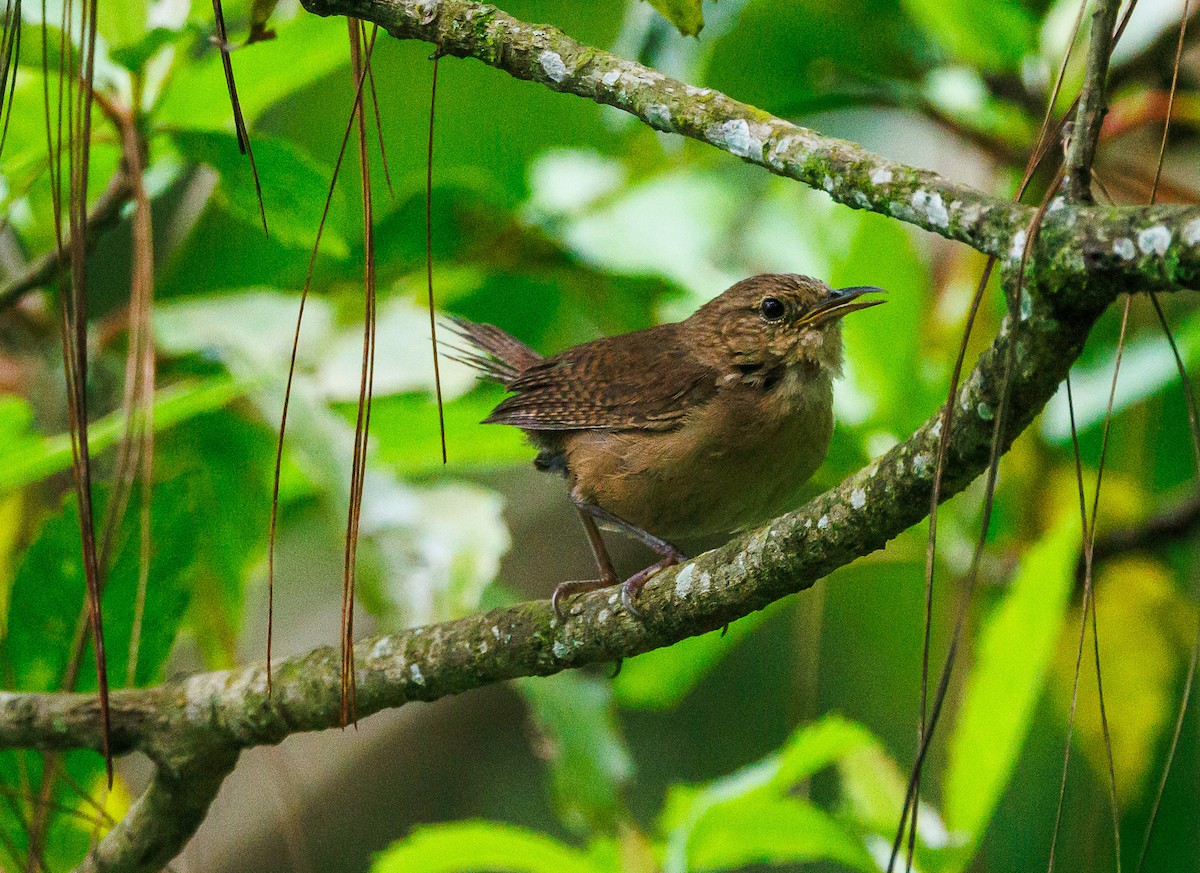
(200, 692)
(483, 648)
(936, 430)
(603, 615)
(858, 498)
(1017, 250)
(1056, 204)
(1154, 240)
(683, 581)
(611, 77)
(823, 522)
(560, 649)
(735, 136)
(415, 672)
(612, 599)
(985, 411)
(827, 184)
(1191, 232)
(1026, 307)
(1123, 248)
(659, 116)
(779, 149)
(921, 463)
(693, 91)
(807, 523)
(495, 632)
(705, 583)
(861, 199)
(881, 176)
(428, 10)
(933, 207)
(553, 64)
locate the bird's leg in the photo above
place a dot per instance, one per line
(608, 576)
(633, 585)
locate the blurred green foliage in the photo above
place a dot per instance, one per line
(787, 740)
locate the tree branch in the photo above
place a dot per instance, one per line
(1168, 527)
(105, 213)
(1093, 103)
(850, 174)
(1159, 245)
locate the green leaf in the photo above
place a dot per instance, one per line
(883, 347)
(26, 457)
(590, 765)
(135, 55)
(993, 36)
(1146, 627)
(73, 824)
(765, 789)
(266, 74)
(122, 22)
(228, 460)
(45, 606)
(764, 830)
(1014, 651)
(1147, 368)
(32, 56)
(481, 847)
(817, 746)
(294, 185)
(686, 15)
(819, 55)
(873, 789)
(661, 678)
(48, 594)
(406, 436)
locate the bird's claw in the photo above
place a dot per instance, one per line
(630, 588)
(571, 589)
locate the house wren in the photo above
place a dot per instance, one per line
(706, 426)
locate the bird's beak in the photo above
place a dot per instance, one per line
(841, 302)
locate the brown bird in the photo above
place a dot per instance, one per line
(707, 426)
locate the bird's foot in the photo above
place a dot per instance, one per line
(567, 590)
(632, 587)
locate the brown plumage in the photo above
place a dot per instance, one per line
(705, 426)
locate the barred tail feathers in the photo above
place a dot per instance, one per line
(496, 355)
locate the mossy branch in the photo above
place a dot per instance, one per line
(1093, 239)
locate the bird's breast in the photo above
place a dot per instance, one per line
(738, 460)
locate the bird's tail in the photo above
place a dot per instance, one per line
(497, 355)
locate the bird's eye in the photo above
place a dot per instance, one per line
(772, 309)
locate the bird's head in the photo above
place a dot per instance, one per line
(776, 320)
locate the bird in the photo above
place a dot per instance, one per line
(706, 426)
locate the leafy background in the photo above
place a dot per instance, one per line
(785, 742)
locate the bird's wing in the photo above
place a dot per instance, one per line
(641, 380)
